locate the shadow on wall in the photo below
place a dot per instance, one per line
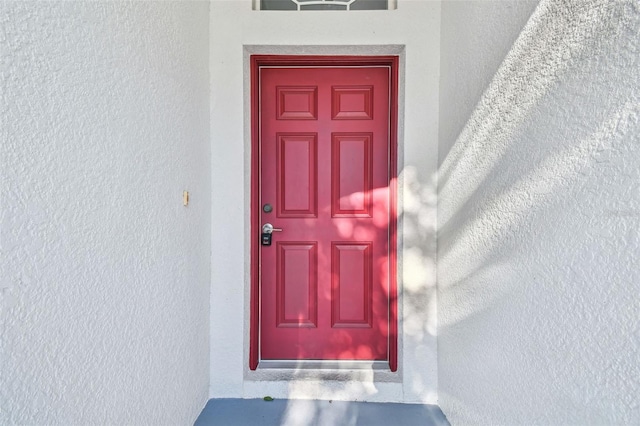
(418, 268)
(539, 207)
(485, 182)
(417, 309)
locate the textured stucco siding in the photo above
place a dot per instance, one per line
(104, 275)
(539, 219)
(476, 35)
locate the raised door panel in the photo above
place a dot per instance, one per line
(297, 103)
(296, 174)
(351, 175)
(296, 284)
(352, 102)
(351, 304)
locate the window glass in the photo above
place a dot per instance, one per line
(324, 4)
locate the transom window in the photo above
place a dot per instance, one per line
(324, 4)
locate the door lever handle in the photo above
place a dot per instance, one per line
(268, 228)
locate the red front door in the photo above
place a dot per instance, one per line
(324, 180)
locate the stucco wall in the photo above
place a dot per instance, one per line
(476, 35)
(412, 31)
(539, 211)
(104, 274)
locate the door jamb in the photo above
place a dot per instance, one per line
(290, 60)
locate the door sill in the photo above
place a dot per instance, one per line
(323, 365)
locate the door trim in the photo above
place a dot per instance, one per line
(258, 61)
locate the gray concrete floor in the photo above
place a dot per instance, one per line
(257, 412)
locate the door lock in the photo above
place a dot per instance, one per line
(267, 230)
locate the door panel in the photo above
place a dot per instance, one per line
(324, 164)
(352, 102)
(296, 166)
(351, 274)
(296, 292)
(351, 175)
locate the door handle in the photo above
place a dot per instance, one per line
(268, 228)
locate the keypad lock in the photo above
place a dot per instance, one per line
(267, 230)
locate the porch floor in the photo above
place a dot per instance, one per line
(257, 412)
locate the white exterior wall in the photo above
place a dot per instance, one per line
(539, 212)
(104, 275)
(412, 31)
(475, 37)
